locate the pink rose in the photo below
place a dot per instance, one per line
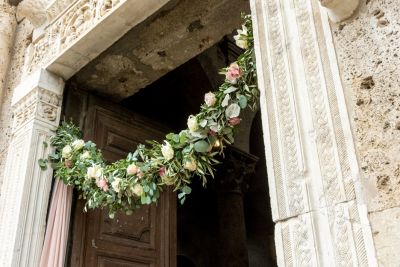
(132, 169)
(210, 99)
(233, 73)
(102, 183)
(234, 121)
(162, 171)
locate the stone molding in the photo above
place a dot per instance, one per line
(313, 173)
(24, 194)
(339, 10)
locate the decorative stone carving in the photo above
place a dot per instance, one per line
(56, 7)
(339, 10)
(58, 35)
(37, 105)
(237, 167)
(231, 181)
(61, 45)
(313, 173)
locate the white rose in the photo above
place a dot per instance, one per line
(115, 184)
(85, 155)
(66, 151)
(210, 99)
(190, 165)
(137, 190)
(78, 144)
(192, 123)
(96, 171)
(241, 40)
(167, 151)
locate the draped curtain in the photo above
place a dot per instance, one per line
(55, 242)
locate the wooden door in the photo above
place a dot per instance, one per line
(146, 238)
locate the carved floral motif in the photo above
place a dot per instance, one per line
(39, 103)
(66, 29)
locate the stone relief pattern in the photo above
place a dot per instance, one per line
(279, 203)
(358, 235)
(14, 188)
(56, 8)
(335, 115)
(287, 246)
(38, 103)
(348, 226)
(325, 141)
(287, 118)
(79, 17)
(324, 134)
(297, 241)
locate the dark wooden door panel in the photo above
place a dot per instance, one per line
(115, 262)
(148, 236)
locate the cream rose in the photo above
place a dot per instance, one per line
(66, 152)
(132, 169)
(115, 184)
(190, 164)
(192, 123)
(210, 99)
(167, 151)
(137, 190)
(96, 171)
(85, 155)
(240, 38)
(78, 144)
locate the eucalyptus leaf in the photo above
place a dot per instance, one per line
(242, 101)
(146, 188)
(230, 90)
(232, 111)
(225, 102)
(187, 190)
(201, 146)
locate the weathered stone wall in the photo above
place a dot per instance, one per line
(368, 51)
(23, 36)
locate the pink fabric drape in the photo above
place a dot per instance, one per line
(55, 241)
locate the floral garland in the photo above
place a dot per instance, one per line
(139, 179)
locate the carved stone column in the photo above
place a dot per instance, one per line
(313, 174)
(231, 181)
(25, 191)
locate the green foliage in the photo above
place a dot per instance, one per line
(140, 178)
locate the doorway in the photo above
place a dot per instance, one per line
(179, 235)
